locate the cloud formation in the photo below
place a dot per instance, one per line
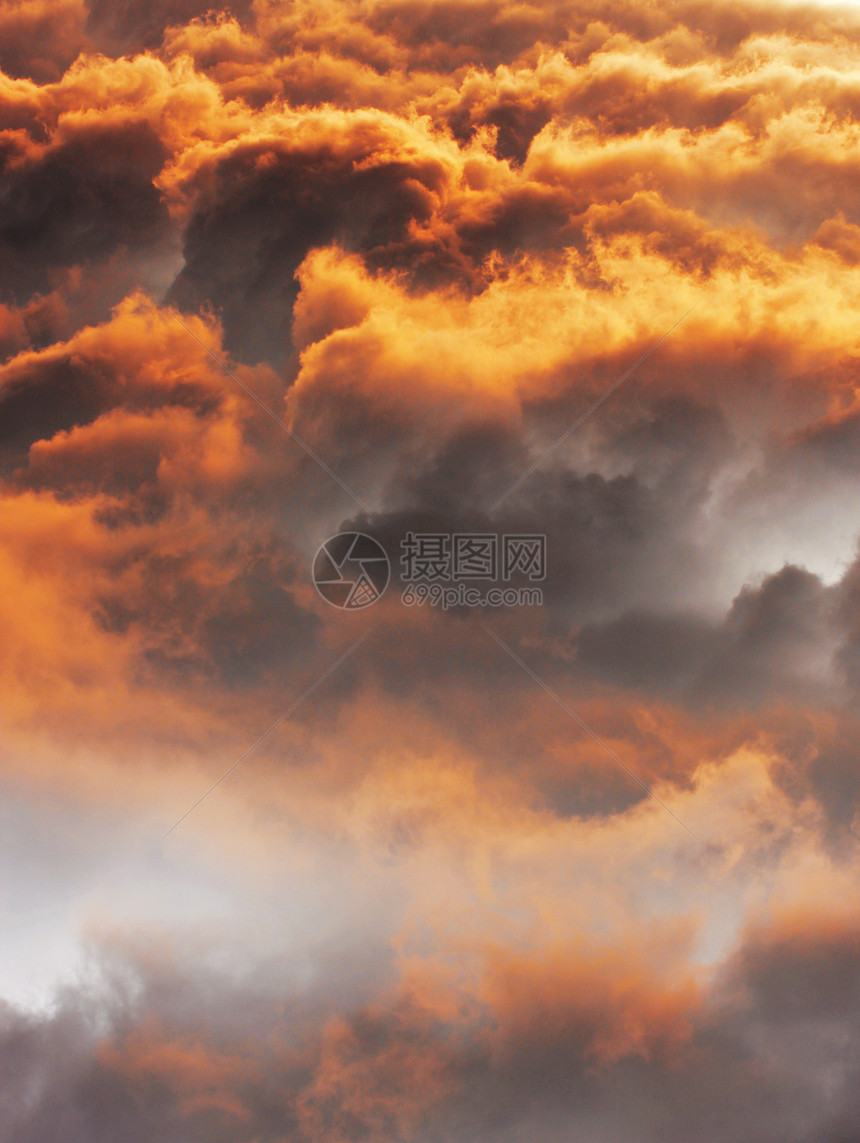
(590, 272)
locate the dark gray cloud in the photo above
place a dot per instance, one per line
(266, 205)
(772, 645)
(75, 201)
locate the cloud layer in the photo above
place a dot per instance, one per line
(590, 272)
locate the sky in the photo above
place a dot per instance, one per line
(580, 865)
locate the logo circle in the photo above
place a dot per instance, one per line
(351, 570)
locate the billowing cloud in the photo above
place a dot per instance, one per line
(581, 864)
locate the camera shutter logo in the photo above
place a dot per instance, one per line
(351, 570)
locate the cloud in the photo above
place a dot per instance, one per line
(40, 41)
(78, 200)
(589, 272)
(152, 1053)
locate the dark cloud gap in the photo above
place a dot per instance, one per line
(138, 25)
(77, 201)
